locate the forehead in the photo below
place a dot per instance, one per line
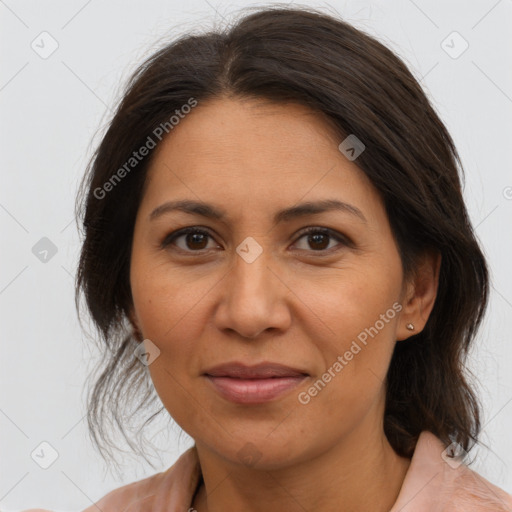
(252, 153)
(244, 125)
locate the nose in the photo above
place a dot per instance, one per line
(254, 298)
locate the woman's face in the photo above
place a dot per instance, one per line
(248, 290)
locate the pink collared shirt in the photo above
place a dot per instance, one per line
(430, 485)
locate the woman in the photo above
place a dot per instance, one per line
(277, 212)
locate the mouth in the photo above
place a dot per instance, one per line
(257, 384)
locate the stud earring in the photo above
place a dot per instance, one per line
(410, 327)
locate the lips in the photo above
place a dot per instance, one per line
(257, 384)
(260, 371)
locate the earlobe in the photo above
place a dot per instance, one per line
(421, 295)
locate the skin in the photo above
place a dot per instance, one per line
(202, 304)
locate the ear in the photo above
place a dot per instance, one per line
(132, 317)
(420, 295)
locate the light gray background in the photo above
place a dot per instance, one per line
(50, 110)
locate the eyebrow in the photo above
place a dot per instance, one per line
(213, 212)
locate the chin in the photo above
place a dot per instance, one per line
(261, 452)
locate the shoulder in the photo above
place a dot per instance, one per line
(468, 491)
(139, 494)
(438, 482)
(172, 490)
(177, 485)
(134, 496)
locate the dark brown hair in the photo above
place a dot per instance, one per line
(304, 56)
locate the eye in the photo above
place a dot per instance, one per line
(194, 239)
(318, 239)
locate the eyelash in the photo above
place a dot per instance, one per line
(171, 237)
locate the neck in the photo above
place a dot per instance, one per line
(361, 472)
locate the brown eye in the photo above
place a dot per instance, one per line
(194, 239)
(318, 239)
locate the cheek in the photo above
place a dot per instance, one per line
(167, 307)
(354, 299)
(173, 319)
(360, 309)
(174, 328)
(165, 298)
(356, 358)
